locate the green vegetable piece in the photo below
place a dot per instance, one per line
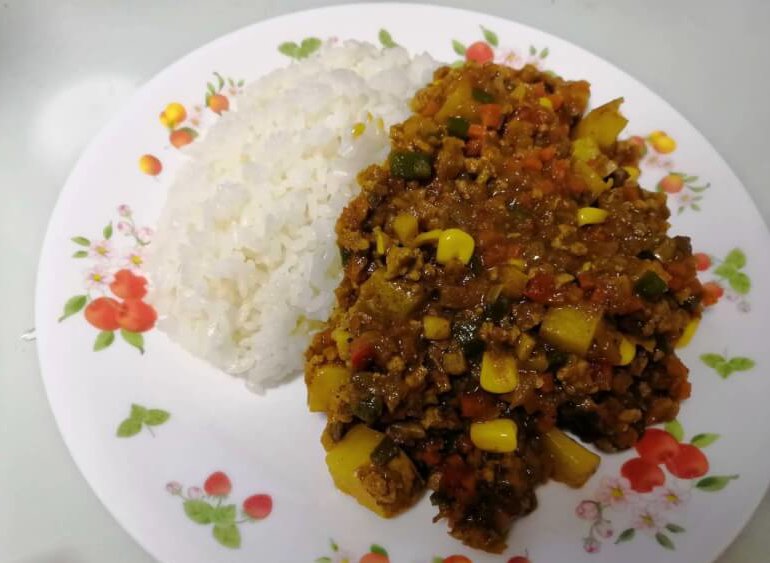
(458, 127)
(481, 96)
(650, 285)
(410, 165)
(384, 452)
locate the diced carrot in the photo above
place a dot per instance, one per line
(431, 108)
(557, 100)
(540, 288)
(473, 147)
(545, 186)
(491, 115)
(547, 386)
(361, 352)
(547, 153)
(476, 131)
(532, 163)
(538, 89)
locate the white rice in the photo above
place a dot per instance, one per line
(244, 262)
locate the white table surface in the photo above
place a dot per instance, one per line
(66, 66)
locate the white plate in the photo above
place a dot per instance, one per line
(269, 444)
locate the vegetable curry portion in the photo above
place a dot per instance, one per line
(506, 279)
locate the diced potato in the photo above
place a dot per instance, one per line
(627, 351)
(326, 382)
(351, 469)
(573, 463)
(342, 340)
(499, 372)
(436, 328)
(570, 329)
(459, 103)
(389, 300)
(405, 226)
(524, 346)
(585, 149)
(594, 181)
(513, 280)
(603, 124)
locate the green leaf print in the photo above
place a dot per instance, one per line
(107, 231)
(675, 528)
(290, 49)
(458, 47)
(736, 258)
(626, 535)
(675, 429)
(712, 360)
(223, 515)
(80, 254)
(309, 46)
(704, 440)
(228, 535)
(73, 305)
(490, 36)
(739, 363)
(741, 283)
(199, 511)
(82, 241)
(715, 483)
(378, 549)
(156, 417)
(724, 366)
(725, 270)
(138, 412)
(128, 428)
(665, 541)
(386, 40)
(135, 339)
(104, 340)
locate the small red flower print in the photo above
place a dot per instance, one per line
(102, 313)
(258, 507)
(480, 52)
(657, 446)
(702, 261)
(218, 485)
(128, 285)
(712, 293)
(689, 463)
(643, 475)
(136, 316)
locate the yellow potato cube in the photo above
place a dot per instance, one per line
(326, 381)
(573, 463)
(570, 329)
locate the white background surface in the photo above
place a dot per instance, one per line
(65, 68)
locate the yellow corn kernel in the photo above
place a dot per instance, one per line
(563, 278)
(342, 340)
(524, 346)
(633, 172)
(405, 226)
(358, 130)
(591, 216)
(495, 435)
(627, 351)
(427, 237)
(689, 332)
(499, 372)
(454, 244)
(379, 238)
(546, 103)
(518, 262)
(435, 328)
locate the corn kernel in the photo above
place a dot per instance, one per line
(633, 172)
(379, 238)
(427, 237)
(358, 130)
(563, 278)
(518, 262)
(342, 340)
(627, 351)
(405, 226)
(454, 244)
(499, 372)
(591, 216)
(520, 92)
(546, 103)
(495, 435)
(689, 332)
(524, 346)
(436, 328)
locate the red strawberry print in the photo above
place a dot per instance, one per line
(217, 485)
(258, 507)
(689, 463)
(642, 475)
(128, 285)
(657, 446)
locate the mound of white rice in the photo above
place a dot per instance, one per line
(244, 262)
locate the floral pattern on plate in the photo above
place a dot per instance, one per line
(650, 498)
(113, 301)
(208, 506)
